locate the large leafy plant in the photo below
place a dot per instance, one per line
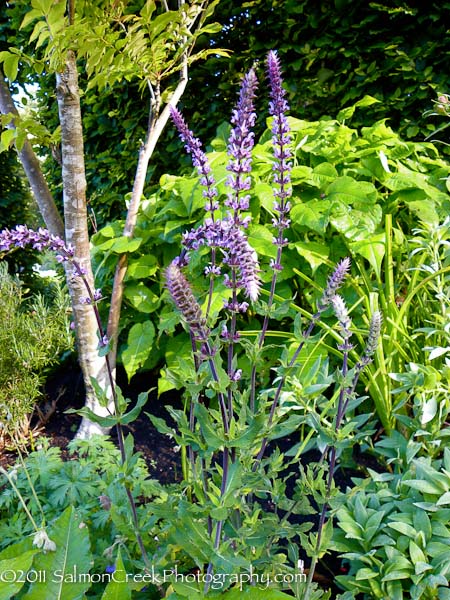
(347, 184)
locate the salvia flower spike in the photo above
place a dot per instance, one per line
(374, 335)
(334, 283)
(240, 144)
(199, 160)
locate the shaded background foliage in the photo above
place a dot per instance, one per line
(333, 53)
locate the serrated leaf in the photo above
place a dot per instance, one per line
(72, 556)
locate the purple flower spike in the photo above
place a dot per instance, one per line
(199, 160)
(41, 239)
(278, 106)
(374, 334)
(241, 143)
(239, 254)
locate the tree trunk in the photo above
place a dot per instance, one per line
(32, 168)
(76, 229)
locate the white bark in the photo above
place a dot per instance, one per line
(76, 228)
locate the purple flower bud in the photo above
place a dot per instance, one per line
(98, 295)
(236, 375)
(334, 283)
(185, 300)
(104, 341)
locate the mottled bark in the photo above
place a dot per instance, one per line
(32, 168)
(76, 229)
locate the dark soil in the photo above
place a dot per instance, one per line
(65, 390)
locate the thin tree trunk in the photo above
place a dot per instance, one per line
(155, 128)
(76, 228)
(32, 168)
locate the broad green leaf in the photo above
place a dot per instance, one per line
(314, 253)
(6, 139)
(64, 566)
(141, 298)
(30, 16)
(365, 573)
(12, 573)
(313, 215)
(140, 341)
(347, 190)
(11, 66)
(347, 113)
(142, 267)
(372, 249)
(260, 239)
(429, 410)
(121, 244)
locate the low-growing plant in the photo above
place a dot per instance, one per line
(394, 529)
(33, 335)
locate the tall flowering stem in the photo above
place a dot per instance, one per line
(334, 283)
(20, 237)
(345, 394)
(239, 256)
(200, 161)
(281, 139)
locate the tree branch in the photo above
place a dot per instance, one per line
(32, 168)
(154, 131)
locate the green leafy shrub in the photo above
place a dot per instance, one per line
(394, 530)
(346, 183)
(33, 335)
